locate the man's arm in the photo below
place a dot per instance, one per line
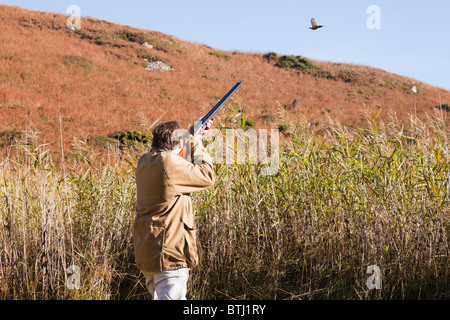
(187, 177)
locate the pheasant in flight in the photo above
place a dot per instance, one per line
(314, 25)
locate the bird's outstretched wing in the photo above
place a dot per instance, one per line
(313, 23)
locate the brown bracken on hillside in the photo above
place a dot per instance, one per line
(106, 77)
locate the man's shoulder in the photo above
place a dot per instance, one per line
(148, 158)
(153, 153)
(172, 158)
(165, 158)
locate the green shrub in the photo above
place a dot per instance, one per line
(445, 107)
(295, 62)
(287, 62)
(271, 56)
(132, 137)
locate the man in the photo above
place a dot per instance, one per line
(164, 231)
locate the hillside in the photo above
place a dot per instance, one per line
(314, 228)
(101, 77)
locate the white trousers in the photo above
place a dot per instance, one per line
(167, 285)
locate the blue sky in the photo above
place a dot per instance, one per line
(414, 39)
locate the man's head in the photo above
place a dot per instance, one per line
(163, 135)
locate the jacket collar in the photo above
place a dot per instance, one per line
(160, 150)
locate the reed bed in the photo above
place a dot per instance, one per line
(341, 201)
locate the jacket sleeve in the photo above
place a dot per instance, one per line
(187, 177)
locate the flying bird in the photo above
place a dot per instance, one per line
(314, 25)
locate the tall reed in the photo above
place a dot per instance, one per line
(340, 202)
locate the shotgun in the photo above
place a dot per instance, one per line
(201, 124)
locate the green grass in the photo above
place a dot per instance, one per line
(283, 127)
(339, 203)
(78, 61)
(220, 55)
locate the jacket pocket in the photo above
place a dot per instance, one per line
(148, 244)
(190, 244)
(156, 235)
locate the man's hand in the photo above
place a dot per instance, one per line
(208, 126)
(181, 149)
(199, 136)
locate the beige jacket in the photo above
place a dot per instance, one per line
(164, 231)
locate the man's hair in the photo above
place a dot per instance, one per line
(162, 135)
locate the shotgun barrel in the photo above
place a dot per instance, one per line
(200, 125)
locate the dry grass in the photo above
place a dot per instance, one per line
(343, 199)
(339, 203)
